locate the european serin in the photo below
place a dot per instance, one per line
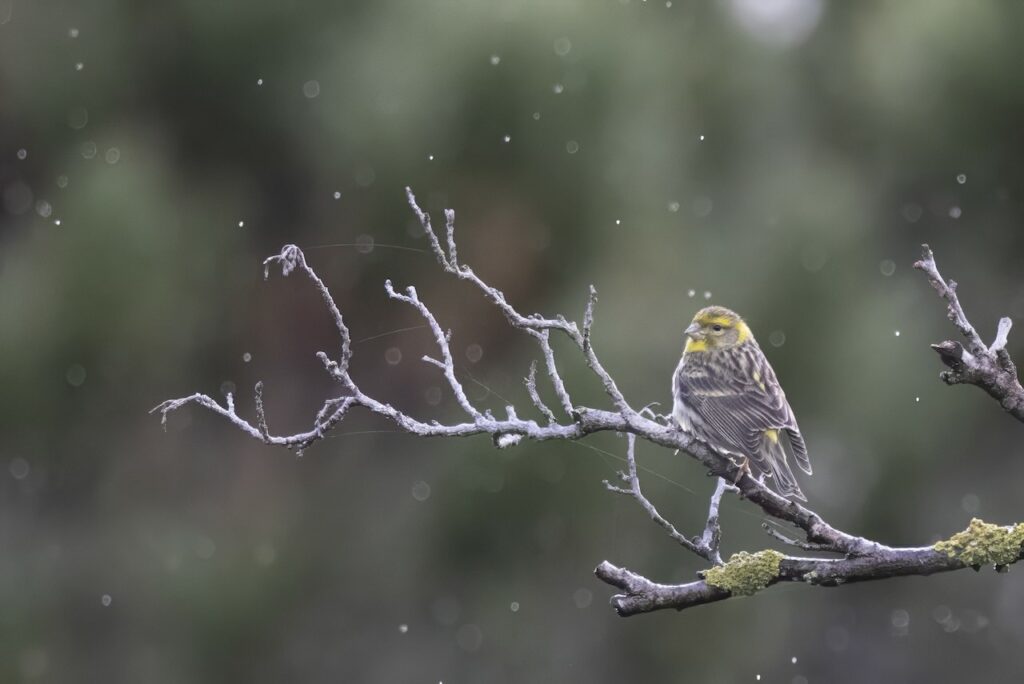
(726, 394)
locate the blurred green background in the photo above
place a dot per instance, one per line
(781, 157)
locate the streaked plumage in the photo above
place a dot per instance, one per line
(726, 394)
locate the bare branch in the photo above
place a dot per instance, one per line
(514, 318)
(556, 379)
(290, 258)
(989, 368)
(695, 545)
(531, 388)
(447, 364)
(862, 559)
(588, 317)
(261, 415)
(712, 537)
(1002, 334)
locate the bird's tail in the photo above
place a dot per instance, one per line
(778, 465)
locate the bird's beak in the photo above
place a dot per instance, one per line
(694, 332)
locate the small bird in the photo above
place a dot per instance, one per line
(725, 393)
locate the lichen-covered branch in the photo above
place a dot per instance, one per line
(744, 574)
(988, 367)
(981, 544)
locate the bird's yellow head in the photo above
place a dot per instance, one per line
(715, 328)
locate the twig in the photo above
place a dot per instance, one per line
(712, 537)
(698, 545)
(989, 368)
(531, 388)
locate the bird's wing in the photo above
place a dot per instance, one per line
(740, 405)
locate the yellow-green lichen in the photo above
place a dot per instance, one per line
(983, 543)
(745, 573)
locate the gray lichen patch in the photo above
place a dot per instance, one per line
(983, 543)
(745, 573)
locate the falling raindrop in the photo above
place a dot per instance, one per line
(536, 116)
(106, 600)
(259, 81)
(469, 637)
(557, 88)
(495, 60)
(474, 353)
(897, 332)
(247, 357)
(75, 375)
(514, 606)
(955, 212)
(337, 195)
(241, 224)
(393, 356)
(22, 153)
(19, 468)
(403, 628)
(582, 598)
(673, 207)
(421, 491)
(562, 46)
(961, 178)
(887, 267)
(702, 206)
(78, 117)
(701, 138)
(364, 244)
(79, 66)
(912, 212)
(691, 293)
(72, 32)
(572, 147)
(112, 156)
(776, 338)
(311, 89)
(507, 138)
(707, 294)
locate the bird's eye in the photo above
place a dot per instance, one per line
(716, 328)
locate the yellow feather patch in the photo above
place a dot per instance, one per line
(745, 333)
(709, 320)
(695, 345)
(757, 379)
(772, 435)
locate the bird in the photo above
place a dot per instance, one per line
(726, 394)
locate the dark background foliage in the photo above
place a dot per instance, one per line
(787, 157)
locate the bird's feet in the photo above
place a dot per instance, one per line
(743, 463)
